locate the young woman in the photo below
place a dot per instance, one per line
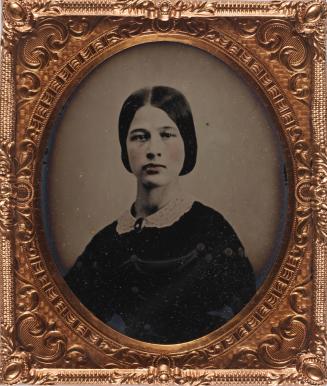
(170, 269)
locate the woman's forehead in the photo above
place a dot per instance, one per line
(150, 117)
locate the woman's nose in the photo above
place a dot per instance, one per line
(154, 149)
(151, 155)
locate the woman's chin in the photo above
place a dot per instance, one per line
(154, 181)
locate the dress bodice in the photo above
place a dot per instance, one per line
(166, 284)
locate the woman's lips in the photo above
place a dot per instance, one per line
(153, 168)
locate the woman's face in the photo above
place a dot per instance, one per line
(155, 147)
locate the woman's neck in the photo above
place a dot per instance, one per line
(149, 201)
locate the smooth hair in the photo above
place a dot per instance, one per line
(175, 105)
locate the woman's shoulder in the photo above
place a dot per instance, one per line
(94, 251)
(207, 214)
(108, 230)
(102, 241)
(210, 222)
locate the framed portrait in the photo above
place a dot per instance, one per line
(163, 178)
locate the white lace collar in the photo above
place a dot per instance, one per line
(164, 217)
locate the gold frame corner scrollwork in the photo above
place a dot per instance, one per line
(267, 30)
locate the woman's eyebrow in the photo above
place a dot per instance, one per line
(136, 130)
(168, 128)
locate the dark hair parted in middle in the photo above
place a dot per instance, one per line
(175, 105)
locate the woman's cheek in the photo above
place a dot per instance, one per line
(177, 153)
(134, 159)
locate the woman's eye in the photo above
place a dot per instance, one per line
(167, 134)
(140, 137)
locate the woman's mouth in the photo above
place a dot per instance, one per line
(153, 168)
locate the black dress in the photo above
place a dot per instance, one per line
(165, 285)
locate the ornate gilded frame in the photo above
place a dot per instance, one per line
(47, 47)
